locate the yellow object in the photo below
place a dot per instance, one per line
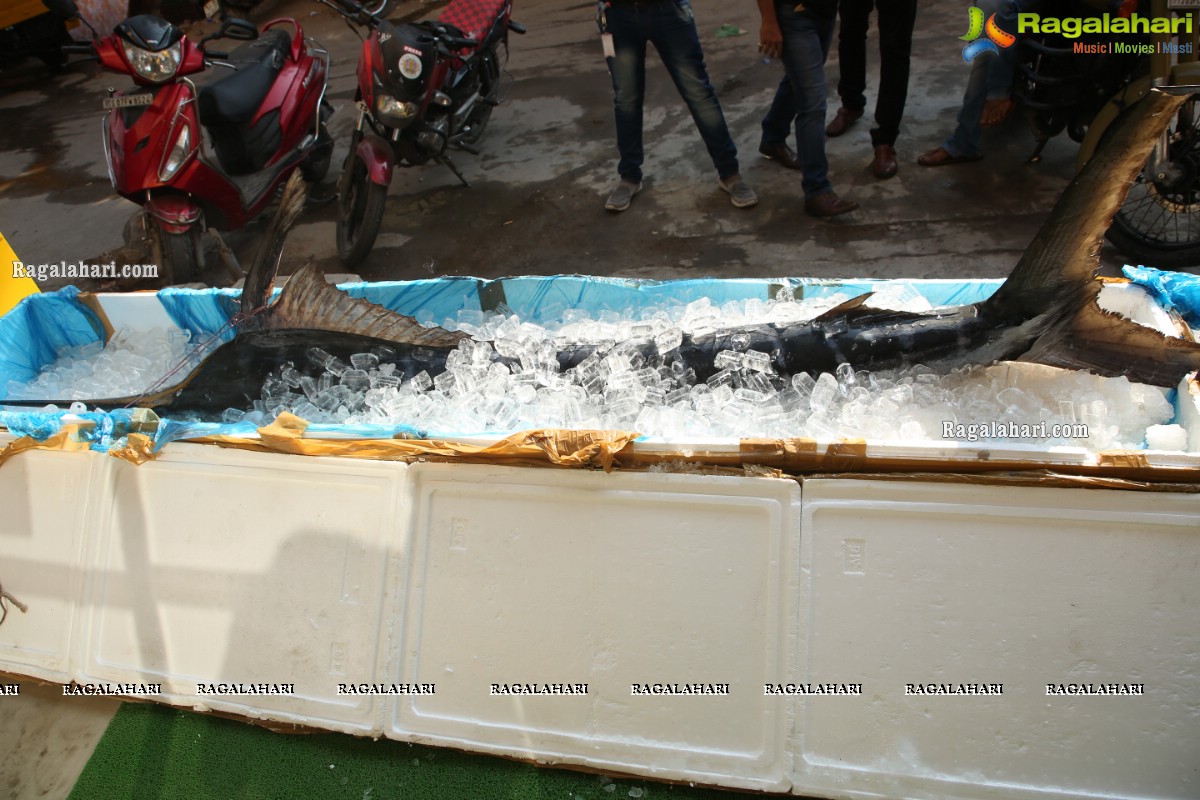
(13, 12)
(12, 288)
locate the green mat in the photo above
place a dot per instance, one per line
(151, 751)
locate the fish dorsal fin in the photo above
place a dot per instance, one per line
(1063, 257)
(845, 307)
(309, 302)
(261, 274)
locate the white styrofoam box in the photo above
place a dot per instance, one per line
(135, 311)
(217, 565)
(911, 582)
(45, 499)
(1187, 404)
(1134, 302)
(528, 576)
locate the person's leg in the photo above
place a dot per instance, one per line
(896, 20)
(852, 52)
(673, 33)
(628, 67)
(965, 141)
(990, 78)
(999, 103)
(806, 39)
(777, 124)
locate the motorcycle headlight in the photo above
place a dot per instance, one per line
(155, 67)
(391, 107)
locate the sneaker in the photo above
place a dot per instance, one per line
(740, 194)
(622, 195)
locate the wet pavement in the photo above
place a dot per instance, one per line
(535, 205)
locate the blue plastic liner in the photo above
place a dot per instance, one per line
(107, 429)
(33, 333)
(1173, 290)
(201, 311)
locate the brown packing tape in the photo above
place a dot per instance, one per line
(65, 440)
(1038, 478)
(138, 449)
(792, 458)
(562, 448)
(91, 301)
(1123, 459)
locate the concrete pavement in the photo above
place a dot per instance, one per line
(536, 201)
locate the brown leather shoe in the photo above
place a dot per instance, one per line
(884, 166)
(828, 205)
(842, 122)
(781, 154)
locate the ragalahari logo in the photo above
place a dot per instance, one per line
(995, 40)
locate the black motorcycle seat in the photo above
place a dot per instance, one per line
(235, 98)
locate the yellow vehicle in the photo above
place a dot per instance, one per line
(27, 28)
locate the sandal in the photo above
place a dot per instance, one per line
(940, 157)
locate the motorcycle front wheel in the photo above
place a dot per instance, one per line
(1159, 223)
(178, 254)
(478, 119)
(360, 211)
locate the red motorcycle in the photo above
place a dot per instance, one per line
(423, 88)
(210, 156)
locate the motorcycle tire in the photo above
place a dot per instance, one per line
(1159, 226)
(378, 8)
(360, 212)
(179, 255)
(479, 117)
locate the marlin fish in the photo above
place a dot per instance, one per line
(1045, 312)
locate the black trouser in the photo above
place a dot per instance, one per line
(896, 19)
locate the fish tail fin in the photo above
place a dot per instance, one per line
(1060, 263)
(1109, 344)
(265, 264)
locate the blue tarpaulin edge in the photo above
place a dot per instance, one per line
(1173, 290)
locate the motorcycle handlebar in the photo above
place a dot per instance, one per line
(458, 42)
(81, 49)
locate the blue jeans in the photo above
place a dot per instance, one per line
(990, 79)
(801, 96)
(671, 28)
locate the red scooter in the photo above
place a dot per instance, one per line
(210, 156)
(423, 88)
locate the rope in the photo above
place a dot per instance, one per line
(4, 607)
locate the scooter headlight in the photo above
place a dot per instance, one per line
(155, 67)
(388, 106)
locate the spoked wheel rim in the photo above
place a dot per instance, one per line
(1162, 211)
